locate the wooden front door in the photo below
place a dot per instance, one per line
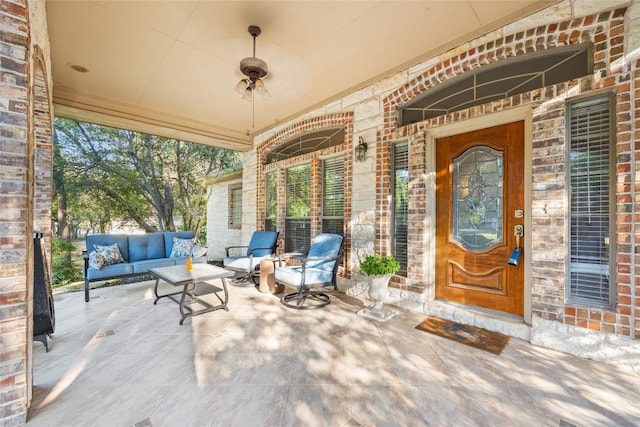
(479, 203)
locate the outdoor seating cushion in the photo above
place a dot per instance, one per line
(241, 263)
(109, 254)
(182, 248)
(143, 266)
(146, 246)
(292, 276)
(262, 239)
(168, 239)
(325, 245)
(108, 239)
(109, 271)
(259, 241)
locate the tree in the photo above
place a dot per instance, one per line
(154, 181)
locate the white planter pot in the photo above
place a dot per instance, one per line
(378, 291)
(378, 287)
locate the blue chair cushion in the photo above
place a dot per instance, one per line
(292, 276)
(146, 246)
(109, 271)
(325, 245)
(145, 265)
(262, 239)
(241, 263)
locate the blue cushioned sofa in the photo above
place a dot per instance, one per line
(140, 252)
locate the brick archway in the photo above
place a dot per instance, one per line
(344, 120)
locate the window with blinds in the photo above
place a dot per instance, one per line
(298, 209)
(235, 206)
(400, 204)
(591, 203)
(271, 204)
(333, 196)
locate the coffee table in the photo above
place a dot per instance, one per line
(193, 287)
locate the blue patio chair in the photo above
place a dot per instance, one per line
(262, 244)
(319, 267)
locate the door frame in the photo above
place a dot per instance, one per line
(525, 114)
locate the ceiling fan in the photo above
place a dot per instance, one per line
(255, 69)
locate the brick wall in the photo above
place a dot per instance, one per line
(43, 160)
(316, 196)
(16, 215)
(26, 157)
(611, 72)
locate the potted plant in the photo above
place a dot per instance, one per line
(378, 269)
(378, 265)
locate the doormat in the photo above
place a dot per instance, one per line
(493, 342)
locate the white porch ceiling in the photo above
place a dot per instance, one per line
(169, 67)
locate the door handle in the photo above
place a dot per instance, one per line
(518, 231)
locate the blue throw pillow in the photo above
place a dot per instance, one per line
(96, 260)
(111, 254)
(182, 247)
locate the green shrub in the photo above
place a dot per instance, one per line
(374, 265)
(63, 268)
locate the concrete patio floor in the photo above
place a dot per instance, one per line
(119, 360)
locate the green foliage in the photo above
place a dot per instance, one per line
(374, 265)
(64, 270)
(118, 175)
(201, 235)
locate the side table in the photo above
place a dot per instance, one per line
(267, 276)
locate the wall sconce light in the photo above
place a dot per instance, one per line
(361, 150)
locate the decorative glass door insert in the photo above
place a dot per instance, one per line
(478, 175)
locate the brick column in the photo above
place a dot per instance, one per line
(17, 150)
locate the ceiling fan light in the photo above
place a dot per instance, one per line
(247, 95)
(241, 87)
(254, 69)
(262, 95)
(260, 87)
